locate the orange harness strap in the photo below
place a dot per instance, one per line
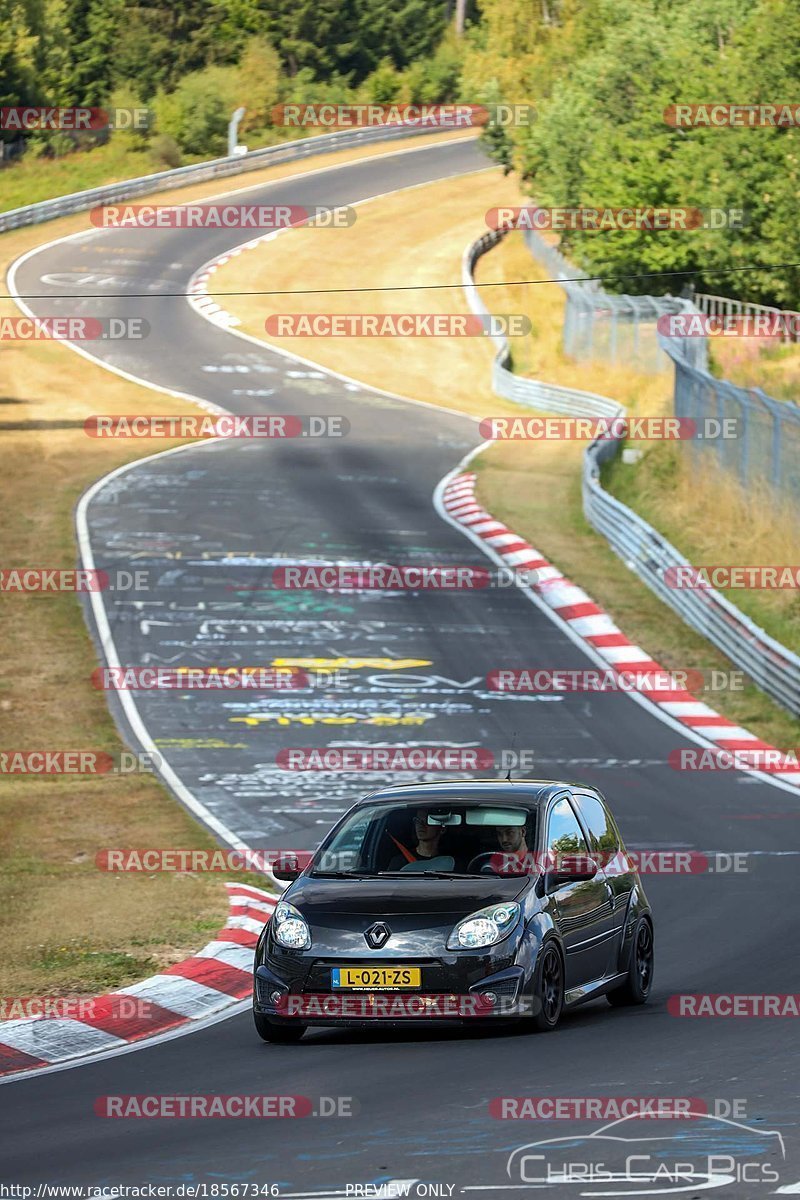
(407, 855)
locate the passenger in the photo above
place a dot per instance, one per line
(426, 839)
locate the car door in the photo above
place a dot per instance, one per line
(582, 908)
(606, 847)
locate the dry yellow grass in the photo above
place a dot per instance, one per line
(418, 238)
(67, 928)
(759, 363)
(403, 241)
(676, 491)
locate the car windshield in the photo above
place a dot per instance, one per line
(443, 840)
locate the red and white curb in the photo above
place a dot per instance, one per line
(199, 298)
(216, 977)
(593, 626)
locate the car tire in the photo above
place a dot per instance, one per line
(270, 1031)
(548, 991)
(639, 981)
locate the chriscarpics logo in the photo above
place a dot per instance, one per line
(639, 1155)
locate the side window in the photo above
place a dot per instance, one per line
(346, 851)
(603, 833)
(564, 833)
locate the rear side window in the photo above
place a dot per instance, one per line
(603, 833)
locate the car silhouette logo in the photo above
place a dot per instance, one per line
(640, 1157)
(378, 935)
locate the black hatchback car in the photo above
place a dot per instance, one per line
(455, 900)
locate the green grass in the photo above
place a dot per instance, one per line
(28, 180)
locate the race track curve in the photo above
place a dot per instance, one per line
(208, 524)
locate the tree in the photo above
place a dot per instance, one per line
(17, 74)
(91, 32)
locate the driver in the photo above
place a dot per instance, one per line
(514, 857)
(426, 842)
(511, 839)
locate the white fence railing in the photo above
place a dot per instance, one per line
(216, 168)
(787, 320)
(772, 666)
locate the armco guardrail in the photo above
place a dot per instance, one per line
(774, 667)
(547, 396)
(217, 168)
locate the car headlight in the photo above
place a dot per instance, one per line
(484, 928)
(289, 927)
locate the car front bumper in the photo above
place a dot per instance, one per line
(446, 995)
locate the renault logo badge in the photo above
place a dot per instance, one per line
(378, 935)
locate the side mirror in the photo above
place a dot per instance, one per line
(288, 866)
(572, 868)
(285, 872)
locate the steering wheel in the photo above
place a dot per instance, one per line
(481, 863)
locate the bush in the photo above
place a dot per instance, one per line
(196, 114)
(384, 85)
(258, 77)
(50, 145)
(130, 139)
(436, 80)
(165, 150)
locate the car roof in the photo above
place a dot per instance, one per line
(515, 791)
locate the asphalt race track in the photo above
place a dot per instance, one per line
(208, 524)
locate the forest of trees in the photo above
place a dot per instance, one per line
(191, 62)
(600, 73)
